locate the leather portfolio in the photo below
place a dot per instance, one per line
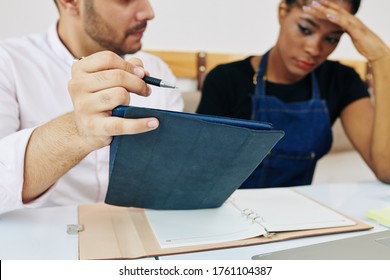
(189, 162)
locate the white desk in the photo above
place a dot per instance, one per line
(38, 234)
(41, 233)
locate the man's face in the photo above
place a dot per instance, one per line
(117, 25)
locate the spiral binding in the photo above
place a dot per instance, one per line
(256, 218)
(252, 216)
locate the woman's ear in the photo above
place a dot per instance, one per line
(282, 11)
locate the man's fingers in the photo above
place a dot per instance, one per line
(104, 100)
(121, 126)
(136, 67)
(136, 62)
(106, 60)
(102, 80)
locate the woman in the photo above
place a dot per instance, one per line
(298, 90)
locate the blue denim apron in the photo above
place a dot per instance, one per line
(308, 136)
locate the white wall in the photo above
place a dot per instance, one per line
(237, 26)
(19, 17)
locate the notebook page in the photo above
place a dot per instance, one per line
(176, 228)
(282, 209)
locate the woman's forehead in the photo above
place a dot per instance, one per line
(343, 3)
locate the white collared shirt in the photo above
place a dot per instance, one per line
(34, 73)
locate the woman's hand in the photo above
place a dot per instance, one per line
(100, 83)
(366, 41)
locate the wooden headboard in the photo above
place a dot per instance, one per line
(196, 65)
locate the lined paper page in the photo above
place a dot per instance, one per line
(277, 209)
(283, 209)
(175, 228)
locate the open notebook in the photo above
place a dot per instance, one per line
(248, 215)
(131, 233)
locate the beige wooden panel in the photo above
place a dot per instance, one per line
(214, 59)
(182, 64)
(185, 64)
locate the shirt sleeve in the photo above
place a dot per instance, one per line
(12, 154)
(9, 112)
(340, 86)
(13, 143)
(355, 88)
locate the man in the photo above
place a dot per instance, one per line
(54, 143)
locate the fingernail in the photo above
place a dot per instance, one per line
(330, 16)
(306, 8)
(152, 124)
(149, 90)
(315, 3)
(140, 72)
(77, 58)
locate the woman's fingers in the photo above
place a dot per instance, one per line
(366, 42)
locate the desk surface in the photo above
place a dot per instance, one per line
(41, 233)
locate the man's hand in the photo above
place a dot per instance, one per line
(100, 83)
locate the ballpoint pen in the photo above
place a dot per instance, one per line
(157, 82)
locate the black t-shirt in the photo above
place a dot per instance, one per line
(228, 89)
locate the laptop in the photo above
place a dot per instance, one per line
(372, 246)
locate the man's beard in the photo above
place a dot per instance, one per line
(104, 38)
(100, 32)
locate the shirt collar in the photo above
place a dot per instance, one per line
(58, 47)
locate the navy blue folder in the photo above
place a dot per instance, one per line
(189, 162)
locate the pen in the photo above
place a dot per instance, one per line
(157, 82)
(147, 79)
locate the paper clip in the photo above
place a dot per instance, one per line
(74, 229)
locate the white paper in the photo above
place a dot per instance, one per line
(274, 210)
(283, 209)
(206, 226)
